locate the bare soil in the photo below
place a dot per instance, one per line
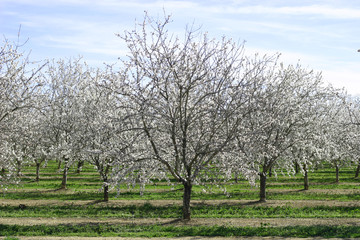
(236, 222)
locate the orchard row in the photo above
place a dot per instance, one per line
(193, 109)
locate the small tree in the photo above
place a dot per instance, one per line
(19, 86)
(281, 114)
(37, 134)
(106, 131)
(339, 137)
(352, 104)
(66, 83)
(305, 156)
(307, 152)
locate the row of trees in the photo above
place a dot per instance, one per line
(193, 109)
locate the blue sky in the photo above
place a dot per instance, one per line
(323, 34)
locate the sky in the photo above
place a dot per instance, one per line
(323, 35)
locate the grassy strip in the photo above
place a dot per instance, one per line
(200, 211)
(105, 230)
(94, 183)
(88, 179)
(317, 178)
(177, 195)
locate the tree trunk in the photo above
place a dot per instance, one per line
(270, 172)
(357, 170)
(106, 189)
(59, 166)
(37, 171)
(65, 174)
(186, 201)
(296, 167)
(18, 169)
(106, 193)
(306, 178)
(236, 177)
(79, 166)
(263, 187)
(337, 174)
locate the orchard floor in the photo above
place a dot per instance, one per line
(88, 183)
(237, 222)
(274, 203)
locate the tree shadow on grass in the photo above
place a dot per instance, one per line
(175, 221)
(248, 203)
(251, 203)
(91, 203)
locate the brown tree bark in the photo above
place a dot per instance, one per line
(263, 187)
(64, 179)
(337, 173)
(186, 200)
(306, 178)
(296, 167)
(59, 166)
(357, 170)
(65, 174)
(37, 178)
(106, 193)
(18, 168)
(106, 188)
(79, 166)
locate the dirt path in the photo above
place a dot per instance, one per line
(236, 222)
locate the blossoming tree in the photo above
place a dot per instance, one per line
(189, 97)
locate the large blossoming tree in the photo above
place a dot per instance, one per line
(190, 97)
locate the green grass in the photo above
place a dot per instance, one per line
(199, 211)
(241, 194)
(106, 230)
(86, 185)
(11, 238)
